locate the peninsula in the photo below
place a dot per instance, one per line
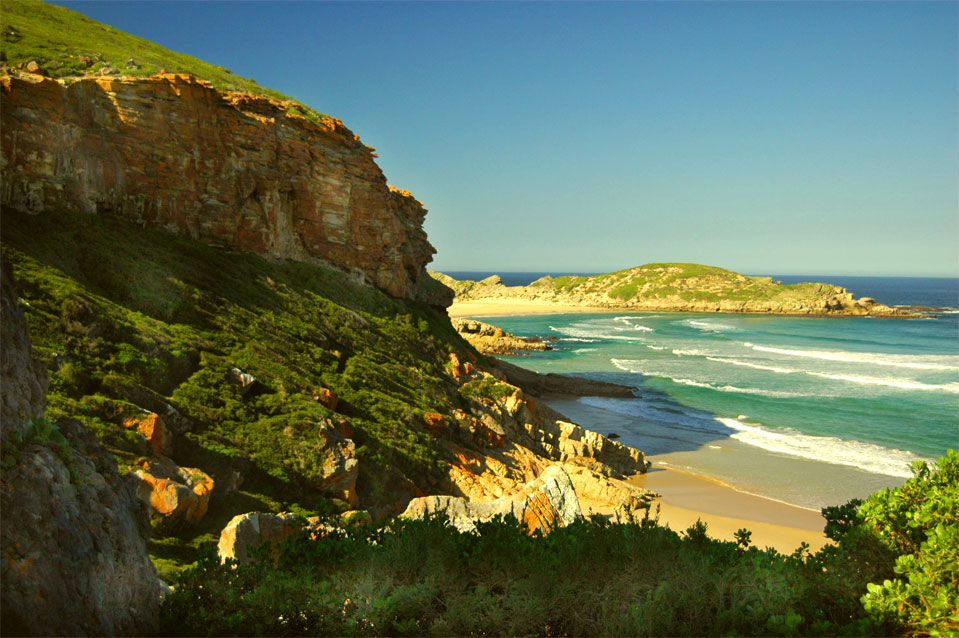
(665, 287)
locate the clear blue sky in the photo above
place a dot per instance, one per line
(808, 138)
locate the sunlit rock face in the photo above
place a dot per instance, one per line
(234, 170)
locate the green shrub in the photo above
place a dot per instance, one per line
(920, 522)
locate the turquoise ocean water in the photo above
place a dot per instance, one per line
(805, 410)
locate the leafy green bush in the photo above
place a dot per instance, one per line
(920, 522)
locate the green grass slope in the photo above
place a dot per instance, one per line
(690, 282)
(125, 317)
(67, 44)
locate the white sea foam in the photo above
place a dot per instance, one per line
(585, 350)
(633, 326)
(755, 366)
(902, 384)
(579, 339)
(828, 449)
(689, 353)
(865, 456)
(656, 347)
(731, 388)
(709, 326)
(918, 362)
(581, 333)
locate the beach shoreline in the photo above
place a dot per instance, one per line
(480, 308)
(688, 497)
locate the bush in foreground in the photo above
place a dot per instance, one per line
(596, 577)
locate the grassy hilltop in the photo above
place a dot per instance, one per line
(676, 287)
(66, 44)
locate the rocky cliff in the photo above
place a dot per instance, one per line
(74, 559)
(243, 172)
(677, 288)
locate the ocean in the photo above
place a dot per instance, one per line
(808, 411)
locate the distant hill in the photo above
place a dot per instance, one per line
(676, 287)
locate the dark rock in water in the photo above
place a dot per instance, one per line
(73, 535)
(612, 435)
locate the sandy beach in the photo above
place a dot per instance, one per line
(491, 307)
(688, 497)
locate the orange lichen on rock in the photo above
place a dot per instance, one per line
(435, 424)
(176, 495)
(151, 426)
(325, 397)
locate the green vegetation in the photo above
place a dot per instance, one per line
(67, 44)
(598, 578)
(126, 318)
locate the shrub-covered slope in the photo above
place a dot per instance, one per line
(129, 319)
(595, 578)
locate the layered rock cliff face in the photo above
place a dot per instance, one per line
(234, 170)
(74, 559)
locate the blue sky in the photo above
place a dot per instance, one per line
(808, 138)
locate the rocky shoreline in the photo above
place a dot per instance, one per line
(665, 288)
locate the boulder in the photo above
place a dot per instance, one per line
(339, 467)
(243, 381)
(543, 504)
(177, 496)
(325, 397)
(153, 429)
(246, 531)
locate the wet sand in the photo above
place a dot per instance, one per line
(488, 308)
(688, 497)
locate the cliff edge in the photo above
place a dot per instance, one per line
(234, 170)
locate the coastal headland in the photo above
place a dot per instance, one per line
(664, 287)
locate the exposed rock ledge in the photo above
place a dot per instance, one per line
(488, 339)
(552, 385)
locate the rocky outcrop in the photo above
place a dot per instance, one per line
(248, 531)
(178, 496)
(545, 385)
(335, 473)
(676, 288)
(547, 502)
(73, 557)
(24, 380)
(158, 436)
(488, 339)
(506, 438)
(234, 170)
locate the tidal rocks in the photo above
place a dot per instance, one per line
(247, 531)
(489, 339)
(234, 170)
(178, 496)
(544, 503)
